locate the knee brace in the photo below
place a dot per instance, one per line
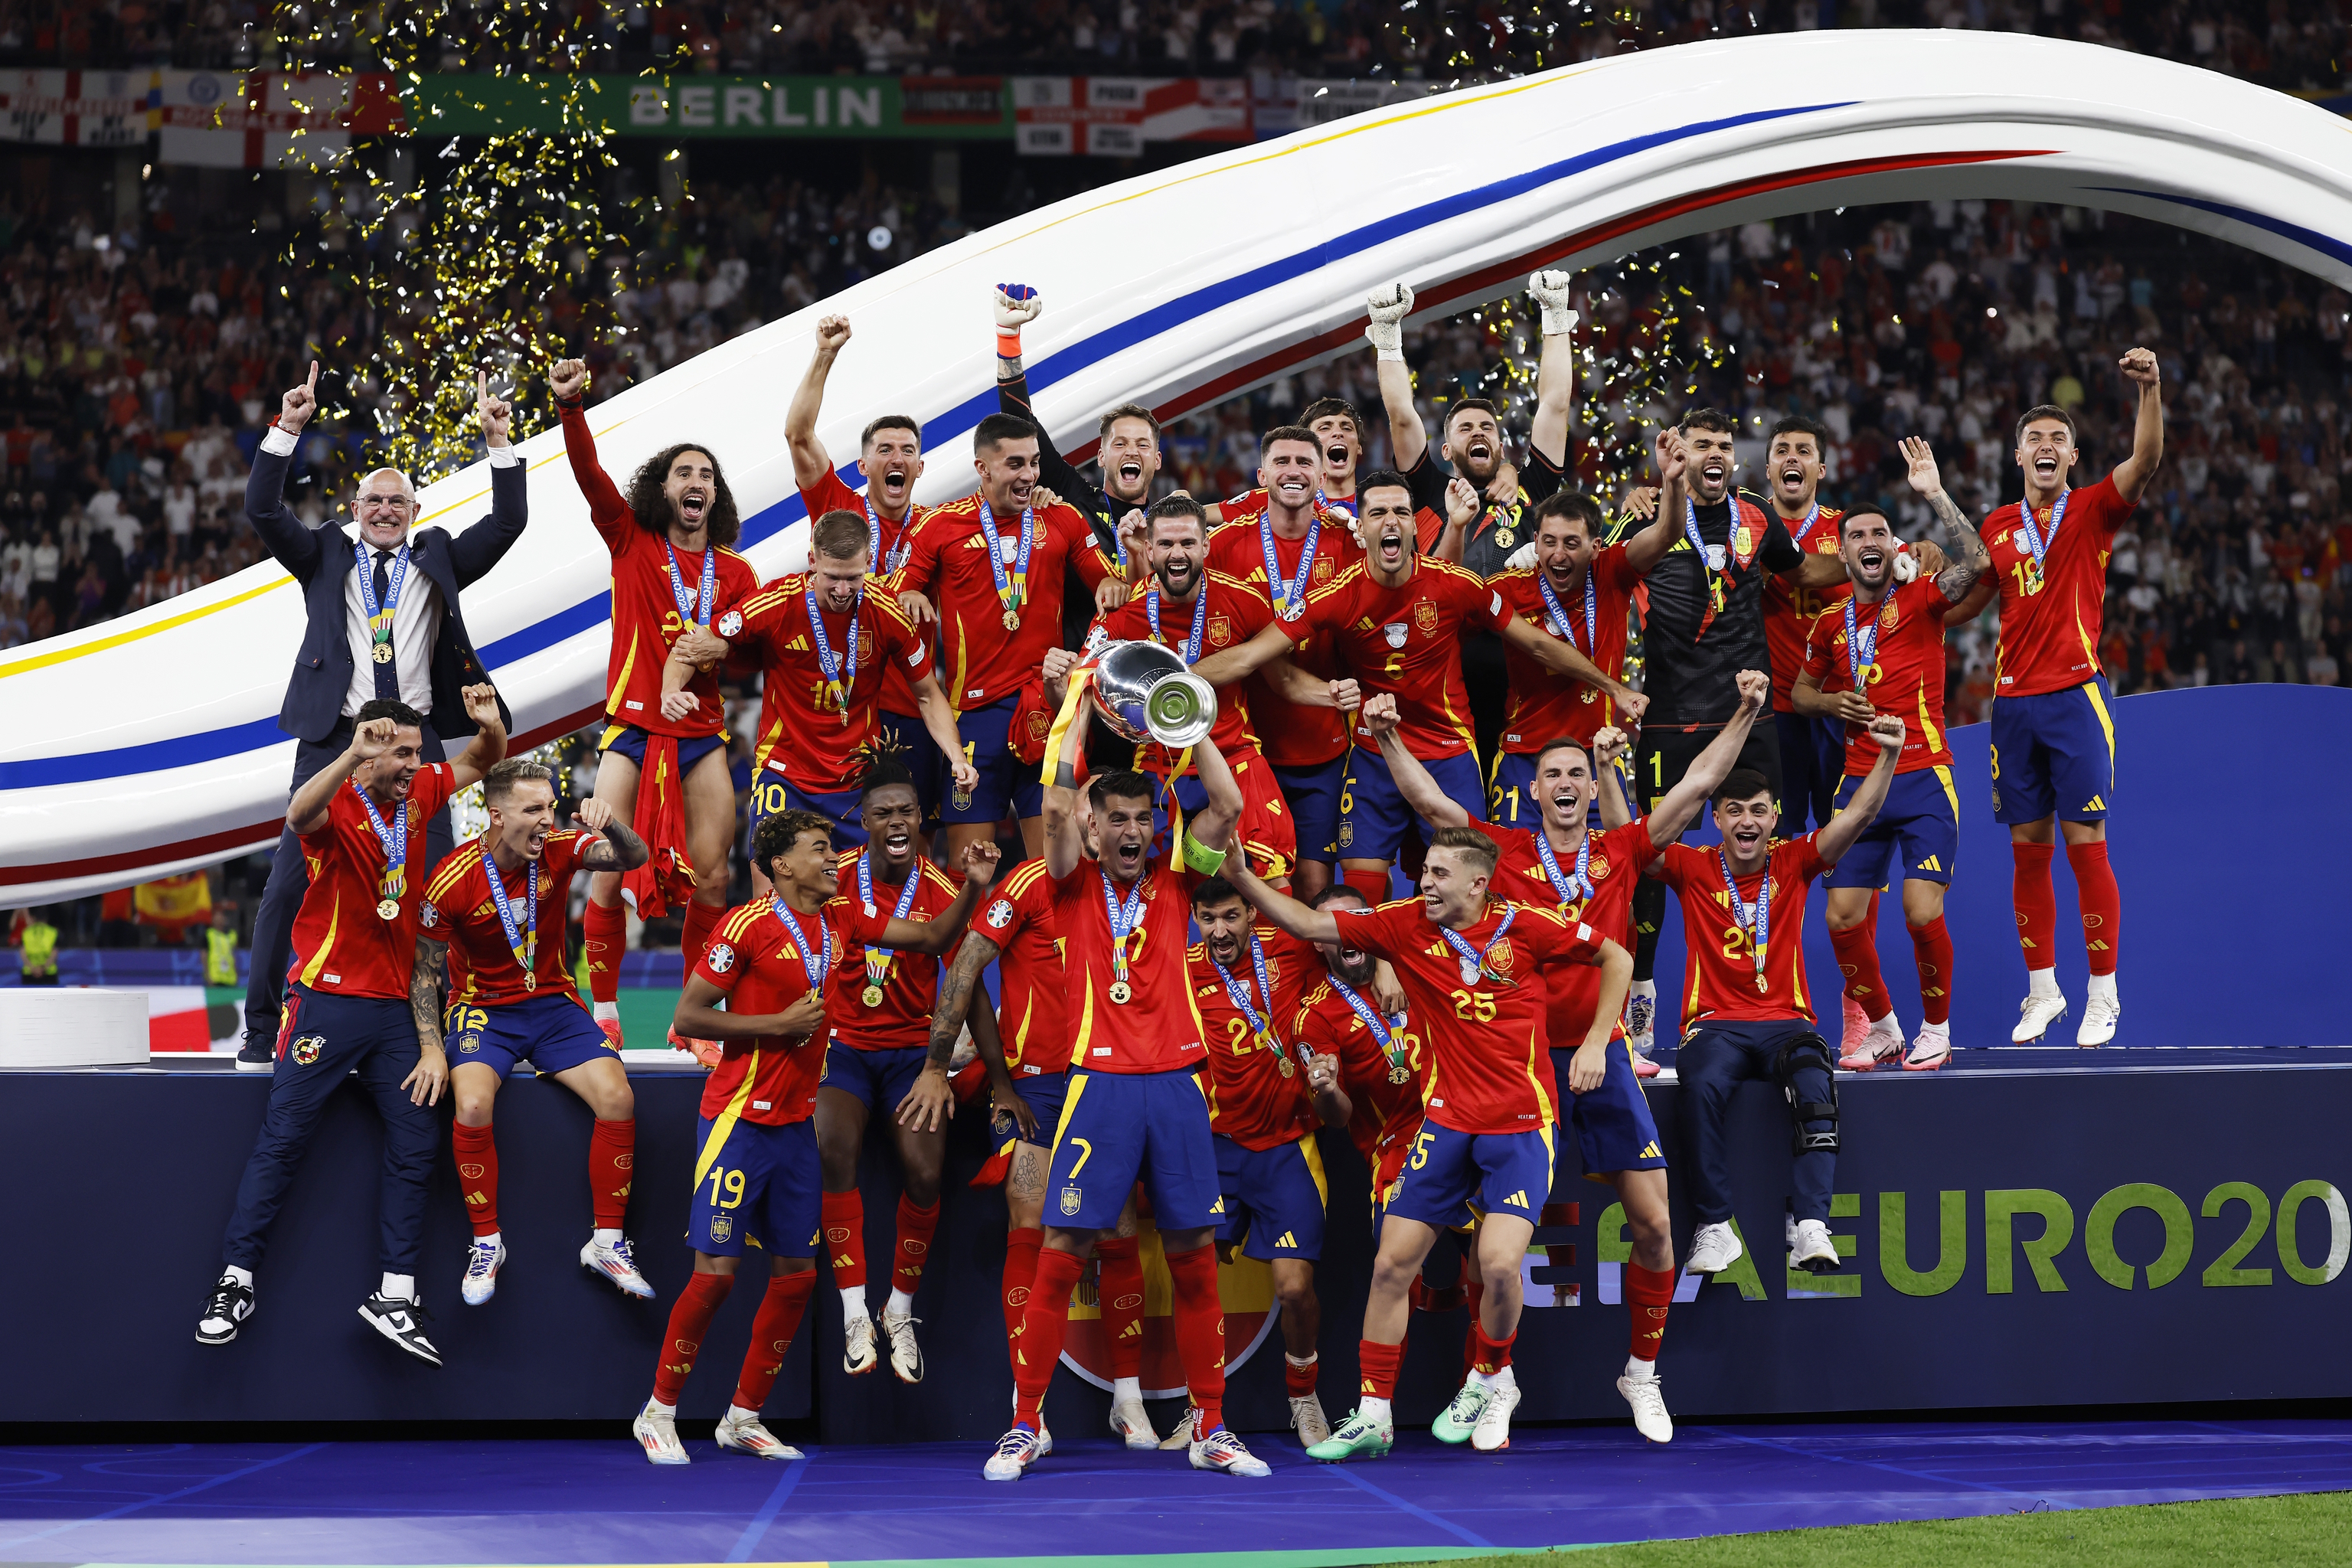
(1801, 1111)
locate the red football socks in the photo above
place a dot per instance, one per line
(603, 934)
(689, 1320)
(1857, 960)
(1200, 1320)
(1119, 1292)
(612, 1160)
(1298, 1377)
(701, 920)
(1043, 1326)
(1494, 1354)
(1020, 1272)
(1474, 1290)
(1931, 946)
(845, 1237)
(2037, 903)
(779, 1319)
(1377, 1365)
(477, 1174)
(916, 1227)
(1648, 1293)
(1373, 885)
(2102, 901)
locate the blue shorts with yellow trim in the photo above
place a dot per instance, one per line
(630, 742)
(1373, 816)
(1313, 796)
(1615, 1131)
(876, 1077)
(554, 1033)
(1119, 1128)
(1274, 1197)
(1045, 1092)
(1920, 824)
(1448, 1173)
(772, 792)
(2054, 755)
(755, 1184)
(1008, 786)
(905, 738)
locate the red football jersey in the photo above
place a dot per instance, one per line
(1612, 864)
(772, 1079)
(2050, 619)
(483, 970)
(1291, 737)
(340, 944)
(1905, 678)
(1158, 1027)
(1257, 1091)
(1486, 1036)
(947, 562)
(1546, 705)
(1789, 611)
(1031, 1006)
(805, 735)
(1407, 642)
(645, 619)
(1382, 1105)
(832, 493)
(902, 1017)
(1721, 961)
(1235, 613)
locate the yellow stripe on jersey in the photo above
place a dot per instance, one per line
(621, 682)
(468, 855)
(1928, 729)
(318, 959)
(724, 1123)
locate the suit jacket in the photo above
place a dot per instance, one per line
(322, 562)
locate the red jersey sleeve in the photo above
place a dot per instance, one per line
(1085, 556)
(1612, 571)
(765, 613)
(1552, 935)
(606, 509)
(1481, 604)
(1383, 931)
(1673, 866)
(831, 493)
(1803, 857)
(1327, 609)
(895, 635)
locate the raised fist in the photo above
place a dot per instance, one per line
(1463, 503)
(594, 815)
(294, 410)
(482, 706)
(567, 379)
(1380, 714)
(372, 738)
(1754, 689)
(1888, 731)
(1017, 305)
(2139, 365)
(1608, 744)
(979, 856)
(1666, 450)
(831, 335)
(1388, 306)
(1551, 289)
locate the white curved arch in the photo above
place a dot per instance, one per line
(149, 743)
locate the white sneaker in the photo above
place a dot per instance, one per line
(2100, 1015)
(1223, 1450)
(483, 1260)
(1812, 1248)
(1307, 1418)
(857, 1356)
(1132, 1426)
(1647, 1395)
(1640, 1015)
(1880, 1041)
(657, 1432)
(399, 1320)
(2035, 1015)
(226, 1310)
(1714, 1248)
(1931, 1050)
(1015, 1452)
(905, 1355)
(614, 1263)
(1493, 1433)
(744, 1434)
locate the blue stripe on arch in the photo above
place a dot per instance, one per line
(2327, 244)
(1083, 355)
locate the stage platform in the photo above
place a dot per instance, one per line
(487, 1502)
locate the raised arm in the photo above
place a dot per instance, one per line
(1561, 657)
(618, 848)
(306, 812)
(489, 743)
(473, 552)
(1679, 804)
(1421, 791)
(811, 461)
(2131, 474)
(1608, 744)
(1213, 824)
(1066, 843)
(296, 548)
(1834, 841)
(1388, 306)
(1222, 669)
(1285, 912)
(1555, 368)
(1969, 560)
(1644, 549)
(1016, 305)
(607, 509)
(936, 935)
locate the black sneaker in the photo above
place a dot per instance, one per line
(258, 1053)
(225, 1312)
(397, 1319)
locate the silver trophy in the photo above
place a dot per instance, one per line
(1143, 692)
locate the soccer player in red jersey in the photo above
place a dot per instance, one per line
(1396, 620)
(756, 1175)
(989, 569)
(1744, 911)
(1382, 1066)
(1882, 651)
(889, 459)
(1135, 1106)
(1286, 543)
(498, 904)
(360, 1000)
(2054, 726)
(1338, 432)
(881, 1015)
(1266, 1100)
(821, 691)
(674, 580)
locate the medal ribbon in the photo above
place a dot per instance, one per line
(1860, 655)
(395, 839)
(2035, 539)
(522, 937)
(1378, 1025)
(1731, 556)
(877, 560)
(1012, 591)
(1289, 594)
(1239, 991)
(1124, 919)
(816, 964)
(877, 969)
(1812, 516)
(1756, 923)
(687, 599)
(1557, 613)
(1347, 508)
(379, 616)
(1455, 940)
(840, 670)
(1570, 888)
(1192, 648)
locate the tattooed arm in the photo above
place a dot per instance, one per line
(622, 850)
(425, 1081)
(1969, 558)
(932, 1100)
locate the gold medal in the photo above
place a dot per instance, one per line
(387, 909)
(1121, 992)
(1012, 619)
(1282, 1060)
(871, 995)
(383, 653)
(1504, 538)
(1398, 1075)
(1761, 987)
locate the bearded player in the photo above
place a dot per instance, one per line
(1338, 432)
(890, 460)
(1135, 1106)
(757, 1177)
(498, 904)
(674, 578)
(1266, 1098)
(1882, 651)
(2053, 727)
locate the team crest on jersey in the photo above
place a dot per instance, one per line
(1322, 573)
(1041, 724)
(730, 622)
(721, 958)
(426, 915)
(306, 1050)
(1501, 960)
(1597, 868)
(1000, 914)
(1346, 834)
(721, 1226)
(865, 644)
(1425, 615)
(1395, 632)
(1071, 1199)
(1221, 631)
(1886, 617)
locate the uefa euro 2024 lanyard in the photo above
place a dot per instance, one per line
(1192, 648)
(1473, 960)
(393, 836)
(1239, 992)
(688, 600)
(840, 670)
(1860, 647)
(1124, 917)
(2036, 541)
(1012, 590)
(878, 959)
(898, 555)
(380, 615)
(1399, 1070)
(522, 937)
(1571, 888)
(1289, 594)
(816, 964)
(1714, 555)
(1756, 923)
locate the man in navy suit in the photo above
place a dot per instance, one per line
(383, 622)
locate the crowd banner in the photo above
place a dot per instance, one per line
(1116, 117)
(270, 119)
(76, 109)
(710, 107)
